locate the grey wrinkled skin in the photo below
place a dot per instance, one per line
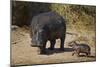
(80, 48)
(47, 26)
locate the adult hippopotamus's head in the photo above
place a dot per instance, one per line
(38, 38)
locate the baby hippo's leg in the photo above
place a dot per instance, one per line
(73, 53)
(77, 53)
(87, 54)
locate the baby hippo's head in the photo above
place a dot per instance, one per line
(72, 43)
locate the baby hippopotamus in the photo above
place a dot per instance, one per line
(79, 48)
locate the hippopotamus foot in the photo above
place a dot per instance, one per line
(51, 48)
(43, 49)
(52, 44)
(62, 43)
(43, 52)
(62, 49)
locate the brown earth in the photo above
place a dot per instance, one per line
(23, 54)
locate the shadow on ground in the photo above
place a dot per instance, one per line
(57, 50)
(87, 56)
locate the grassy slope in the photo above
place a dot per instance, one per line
(80, 20)
(77, 16)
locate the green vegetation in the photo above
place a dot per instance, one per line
(77, 16)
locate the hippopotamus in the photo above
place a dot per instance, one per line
(45, 27)
(80, 48)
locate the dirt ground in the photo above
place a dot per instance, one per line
(23, 54)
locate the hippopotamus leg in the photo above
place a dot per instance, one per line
(52, 44)
(62, 43)
(43, 49)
